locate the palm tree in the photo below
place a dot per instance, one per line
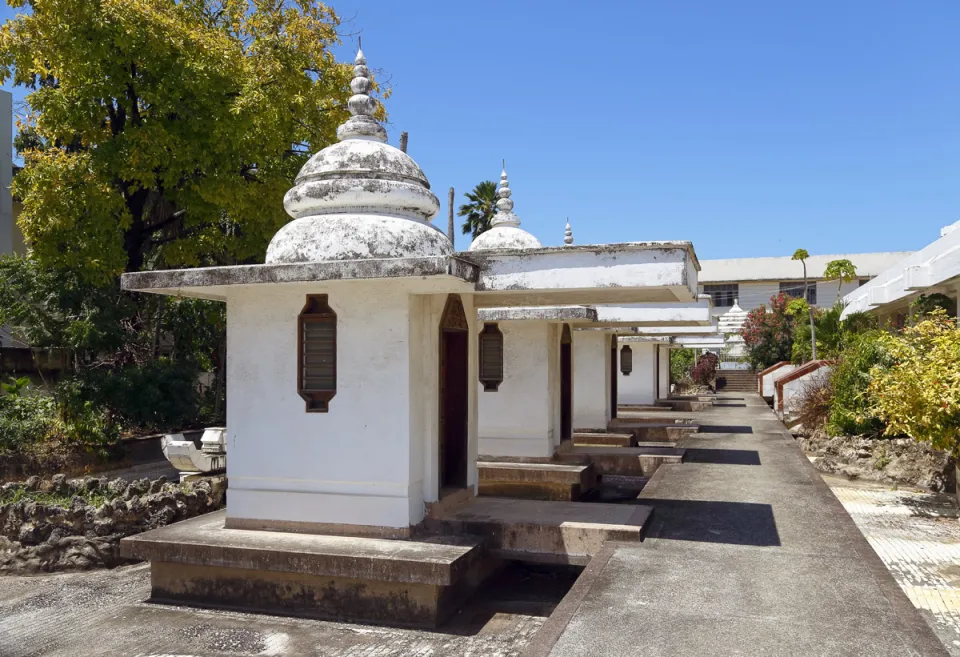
(481, 208)
(842, 271)
(802, 255)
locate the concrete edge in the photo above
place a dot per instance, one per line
(553, 628)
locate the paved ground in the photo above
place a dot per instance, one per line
(749, 553)
(917, 535)
(102, 613)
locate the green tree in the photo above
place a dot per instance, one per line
(802, 255)
(842, 271)
(480, 210)
(166, 133)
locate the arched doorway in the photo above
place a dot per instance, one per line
(566, 384)
(614, 371)
(454, 385)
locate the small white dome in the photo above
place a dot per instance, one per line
(505, 237)
(359, 198)
(505, 232)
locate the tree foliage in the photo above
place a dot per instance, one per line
(918, 395)
(833, 333)
(842, 271)
(851, 411)
(480, 209)
(165, 133)
(768, 335)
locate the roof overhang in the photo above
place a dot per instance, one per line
(632, 272)
(690, 313)
(555, 314)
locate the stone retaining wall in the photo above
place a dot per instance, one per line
(59, 524)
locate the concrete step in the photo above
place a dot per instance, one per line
(685, 404)
(537, 481)
(604, 438)
(545, 532)
(640, 461)
(198, 561)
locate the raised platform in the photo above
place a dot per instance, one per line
(397, 582)
(685, 404)
(538, 481)
(641, 432)
(605, 438)
(633, 461)
(544, 532)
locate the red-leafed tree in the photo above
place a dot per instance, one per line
(768, 333)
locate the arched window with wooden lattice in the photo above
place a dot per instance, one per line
(491, 357)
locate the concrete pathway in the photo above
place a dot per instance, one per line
(917, 535)
(749, 553)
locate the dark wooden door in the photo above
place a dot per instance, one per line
(614, 371)
(566, 384)
(454, 405)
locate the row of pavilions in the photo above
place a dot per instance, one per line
(403, 417)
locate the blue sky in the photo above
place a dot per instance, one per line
(749, 127)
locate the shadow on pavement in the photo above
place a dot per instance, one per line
(737, 523)
(725, 428)
(722, 456)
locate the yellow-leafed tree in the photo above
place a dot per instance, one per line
(919, 394)
(161, 133)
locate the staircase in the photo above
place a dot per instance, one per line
(737, 381)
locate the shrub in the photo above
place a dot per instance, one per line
(768, 335)
(852, 410)
(705, 371)
(918, 395)
(25, 420)
(833, 333)
(681, 362)
(814, 404)
(156, 396)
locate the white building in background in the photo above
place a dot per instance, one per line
(752, 281)
(934, 269)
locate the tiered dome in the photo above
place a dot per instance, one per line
(360, 198)
(505, 231)
(732, 320)
(568, 235)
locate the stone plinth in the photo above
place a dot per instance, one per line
(604, 438)
(545, 532)
(416, 583)
(655, 431)
(632, 461)
(537, 481)
(688, 405)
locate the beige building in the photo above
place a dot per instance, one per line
(752, 281)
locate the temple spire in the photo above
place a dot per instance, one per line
(505, 215)
(568, 234)
(361, 124)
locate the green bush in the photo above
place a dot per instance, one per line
(852, 401)
(25, 420)
(157, 396)
(681, 362)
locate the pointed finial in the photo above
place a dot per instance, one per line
(504, 215)
(568, 234)
(361, 125)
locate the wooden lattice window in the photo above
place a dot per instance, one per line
(491, 357)
(626, 360)
(317, 353)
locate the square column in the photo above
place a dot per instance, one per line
(522, 417)
(640, 386)
(663, 371)
(591, 379)
(373, 458)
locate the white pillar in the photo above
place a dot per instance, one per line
(640, 386)
(522, 417)
(591, 380)
(663, 383)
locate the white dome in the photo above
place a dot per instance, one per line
(505, 232)
(359, 198)
(732, 320)
(504, 237)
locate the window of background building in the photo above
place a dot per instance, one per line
(795, 290)
(723, 295)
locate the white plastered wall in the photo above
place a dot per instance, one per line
(591, 380)
(640, 386)
(663, 372)
(370, 460)
(522, 417)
